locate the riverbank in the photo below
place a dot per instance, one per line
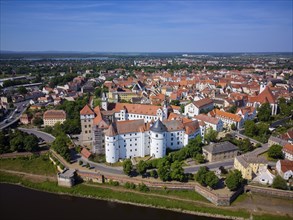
(135, 198)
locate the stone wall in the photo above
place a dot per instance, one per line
(270, 191)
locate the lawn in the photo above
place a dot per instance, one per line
(35, 165)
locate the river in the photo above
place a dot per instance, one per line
(17, 202)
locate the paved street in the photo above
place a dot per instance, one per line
(48, 138)
(14, 115)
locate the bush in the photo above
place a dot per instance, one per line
(143, 188)
(130, 185)
(113, 183)
(279, 183)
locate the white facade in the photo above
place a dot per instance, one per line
(142, 141)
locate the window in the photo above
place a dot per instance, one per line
(136, 149)
(85, 132)
(171, 139)
(156, 135)
(85, 126)
(130, 150)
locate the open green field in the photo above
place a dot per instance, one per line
(35, 165)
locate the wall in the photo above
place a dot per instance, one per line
(269, 191)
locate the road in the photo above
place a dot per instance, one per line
(118, 170)
(14, 116)
(227, 163)
(48, 138)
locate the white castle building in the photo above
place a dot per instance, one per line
(135, 138)
(122, 130)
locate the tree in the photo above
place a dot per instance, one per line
(16, 143)
(211, 135)
(245, 145)
(141, 167)
(285, 108)
(275, 151)
(234, 180)
(279, 183)
(211, 179)
(127, 166)
(38, 121)
(22, 90)
(177, 172)
(164, 170)
(199, 158)
(60, 145)
(264, 112)
(233, 127)
(181, 109)
(175, 102)
(232, 109)
(200, 175)
(4, 143)
(249, 128)
(31, 143)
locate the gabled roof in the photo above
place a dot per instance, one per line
(86, 111)
(111, 131)
(288, 148)
(84, 152)
(286, 165)
(203, 102)
(228, 115)
(221, 147)
(266, 96)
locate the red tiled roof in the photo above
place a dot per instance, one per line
(203, 102)
(54, 114)
(86, 111)
(286, 165)
(84, 152)
(288, 148)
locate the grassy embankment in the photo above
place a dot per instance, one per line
(35, 164)
(41, 165)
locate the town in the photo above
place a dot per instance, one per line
(219, 124)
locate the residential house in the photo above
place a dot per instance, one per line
(228, 118)
(219, 151)
(285, 168)
(51, 117)
(249, 165)
(215, 123)
(288, 151)
(195, 108)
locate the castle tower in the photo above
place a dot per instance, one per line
(104, 102)
(158, 139)
(111, 145)
(165, 110)
(86, 120)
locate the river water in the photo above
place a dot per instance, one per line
(17, 202)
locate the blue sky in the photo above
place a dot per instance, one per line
(147, 26)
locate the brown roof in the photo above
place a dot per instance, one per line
(54, 114)
(206, 118)
(288, 148)
(286, 165)
(137, 108)
(203, 102)
(111, 131)
(174, 125)
(86, 110)
(84, 152)
(265, 96)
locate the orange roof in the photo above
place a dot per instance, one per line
(288, 148)
(265, 96)
(84, 152)
(86, 111)
(137, 108)
(228, 115)
(203, 102)
(286, 165)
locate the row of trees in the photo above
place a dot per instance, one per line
(61, 144)
(18, 141)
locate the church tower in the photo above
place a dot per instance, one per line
(104, 102)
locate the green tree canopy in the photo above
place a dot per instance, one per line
(249, 128)
(127, 166)
(211, 135)
(264, 112)
(275, 151)
(279, 183)
(60, 145)
(141, 167)
(234, 180)
(177, 172)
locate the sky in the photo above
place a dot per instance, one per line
(147, 26)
